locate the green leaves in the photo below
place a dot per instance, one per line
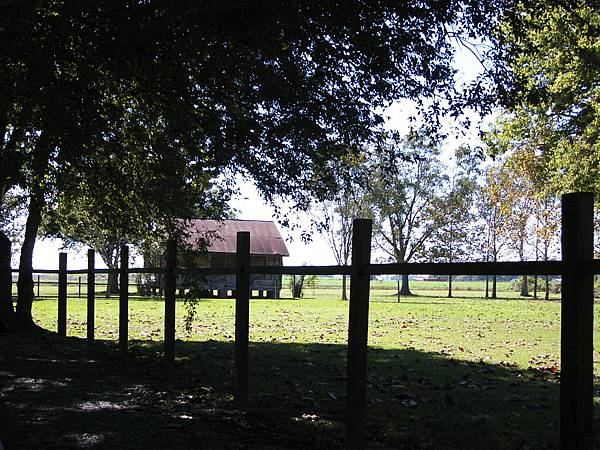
(554, 108)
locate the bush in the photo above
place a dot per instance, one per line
(553, 286)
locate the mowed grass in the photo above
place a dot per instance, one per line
(463, 372)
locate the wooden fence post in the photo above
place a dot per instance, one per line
(242, 318)
(358, 324)
(123, 300)
(38, 285)
(79, 287)
(62, 294)
(577, 320)
(91, 295)
(170, 287)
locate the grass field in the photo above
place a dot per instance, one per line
(443, 373)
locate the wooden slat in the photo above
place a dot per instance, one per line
(476, 268)
(577, 324)
(170, 288)
(358, 323)
(242, 318)
(468, 268)
(207, 271)
(302, 270)
(62, 294)
(124, 300)
(91, 295)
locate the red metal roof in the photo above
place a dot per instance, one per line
(221, 236)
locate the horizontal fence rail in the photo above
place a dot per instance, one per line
(458, 268)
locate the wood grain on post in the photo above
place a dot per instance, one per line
(91, 294)
(358, 324)
(577, 320)
(62, 294)
(170, 287)
(124, 300)
(242, 318)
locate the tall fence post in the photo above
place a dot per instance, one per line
(62, 294)
(358, 324)
(124, 300)
(38, 285)
(242, 318)
(577, 320)
(170, 287)
(91, 295)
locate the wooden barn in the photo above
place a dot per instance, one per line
(212, 243)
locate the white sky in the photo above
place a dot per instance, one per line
(251, 206)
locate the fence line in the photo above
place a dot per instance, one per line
(576, 269)
(553, 267)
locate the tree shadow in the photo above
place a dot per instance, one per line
(61, 394)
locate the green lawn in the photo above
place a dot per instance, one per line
(443, 373)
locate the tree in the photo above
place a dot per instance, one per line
(551, 93)
(547, 227)
(299, 282)
(147, 98)
(452, 238)
(405, 180)
(522, 140)
(519, 207)
(77, 220)
(10, 229)
(553, 59)
(492, 209)
(337, 215)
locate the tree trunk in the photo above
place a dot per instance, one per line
(25, 281)
(297, 286)
(7, 312)
(344, 297)
(487, 286)
(111, 256)
(449, 286)
(494, 279)
(112, 285)
(535, 286)
(405, 289)
(525, 286)
(547, 286)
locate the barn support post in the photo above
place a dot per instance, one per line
(91, 294)
(358, 324)
(124, 300)
(170, 288)
(577, 320)
(242, 318)
(62, 294)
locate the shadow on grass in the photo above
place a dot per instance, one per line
(61, 394)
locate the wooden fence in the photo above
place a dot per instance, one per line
(577, 269)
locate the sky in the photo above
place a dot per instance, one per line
(250, 205)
